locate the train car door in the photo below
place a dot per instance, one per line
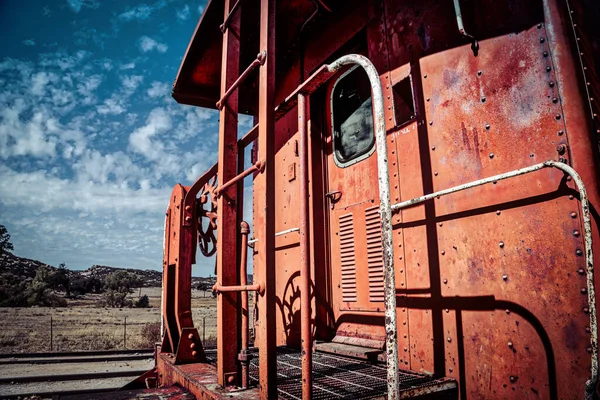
(356, 261)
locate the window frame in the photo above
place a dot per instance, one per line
(340, 163)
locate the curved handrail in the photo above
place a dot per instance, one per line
(391, 336)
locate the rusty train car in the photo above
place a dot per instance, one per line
(425, 201)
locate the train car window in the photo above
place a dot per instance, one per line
(352, 118)
(404, 102)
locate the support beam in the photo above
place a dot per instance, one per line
(305, 310)
(227, 271)
(264, 219)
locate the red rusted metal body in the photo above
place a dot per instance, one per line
(490, 281)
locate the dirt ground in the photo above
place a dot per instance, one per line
(85, 326)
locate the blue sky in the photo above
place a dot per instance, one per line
(91, 142)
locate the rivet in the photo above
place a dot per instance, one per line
(501, 244)
(551, 83)
(581, 271)
(443, 252)
(425, 76)
(405, 349)
(498, 212)
(491, 155)
(548, 68)
(554, 100)
(432, 147)
(576, 233)
(441, 224)
(545, 54)
(194, 353)
(579, 252)
(435, 173)
(561, 148)
(589, 349)
(587, 329)
(479, 72)
(191, 336)
(542, 40)
(188, 208)
(193, 346)
(427, 99)
(483, 99)
(449, 369)
(571, 197)
(573, 215)
(430, 123)
(445, 281)
(401, 271)
(561, 132)
(449, 339)
(539, 26)
(586, 310)
(505, 277)
(487, 126)
(583, 290)
(513, 378)
(569, 178)
(510, 344)
(447, 311)
(507, 311)
(557, 117)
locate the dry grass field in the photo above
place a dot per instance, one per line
(85, 326)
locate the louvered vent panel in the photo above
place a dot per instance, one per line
(347, 258)
(374, 254)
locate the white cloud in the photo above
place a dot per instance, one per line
(89, 85)
(28, 42)
(148, 44)
(131, 83)
(76, 5)
(39, 82)
(158, 89)
(142, 11)
(130, 65)
(184, 13)
(111, 106)
(200, 9)
(141, 140)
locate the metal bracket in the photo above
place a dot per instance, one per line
(461, 28)
(190, 348)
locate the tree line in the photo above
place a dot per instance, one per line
(52, 286)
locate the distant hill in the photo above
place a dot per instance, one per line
(19, 266)
(25, 268)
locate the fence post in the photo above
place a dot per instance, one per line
(203, 330)
(125, 334)
(51, 334)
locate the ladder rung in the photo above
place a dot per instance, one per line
(260, 60)
(225, 23)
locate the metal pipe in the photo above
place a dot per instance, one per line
(260, 60)
(391, 328)
(591, 384)
(257, 167)
(223, 27)
(243, 356)
(252, 241)
(305, 311)
(256, 287)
